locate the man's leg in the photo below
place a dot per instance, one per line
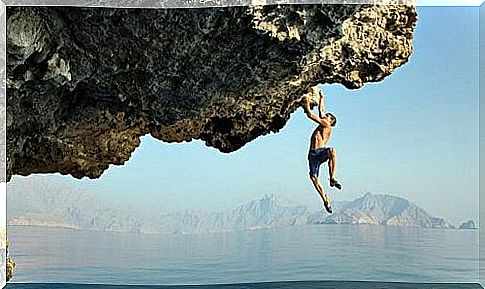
(332, 164)
(318, 186)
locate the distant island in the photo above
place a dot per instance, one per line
(468, 225)
(53, 205)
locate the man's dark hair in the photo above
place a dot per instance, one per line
(334, 122)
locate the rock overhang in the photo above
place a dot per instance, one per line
(84, 84)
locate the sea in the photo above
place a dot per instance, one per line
(312, 256)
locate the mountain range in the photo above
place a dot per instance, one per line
(41, 203)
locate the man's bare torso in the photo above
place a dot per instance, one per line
(320, 137)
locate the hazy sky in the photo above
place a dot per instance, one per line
(413, 135)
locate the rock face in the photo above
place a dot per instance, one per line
(83, 84)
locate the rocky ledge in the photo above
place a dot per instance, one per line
(83, 84)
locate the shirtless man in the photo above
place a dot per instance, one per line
(319, 153)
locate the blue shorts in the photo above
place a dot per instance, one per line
(316, 158)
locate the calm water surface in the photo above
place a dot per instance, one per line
(324, 252)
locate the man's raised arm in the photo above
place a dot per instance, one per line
(311, 115)
(321, 103)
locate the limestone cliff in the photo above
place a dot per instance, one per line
(83, 84)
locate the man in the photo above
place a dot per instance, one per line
(319, 153)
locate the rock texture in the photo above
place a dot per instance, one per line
(83, 84)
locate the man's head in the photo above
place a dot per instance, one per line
(331, 118)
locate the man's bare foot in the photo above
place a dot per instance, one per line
(335, 183)
(328, 207)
